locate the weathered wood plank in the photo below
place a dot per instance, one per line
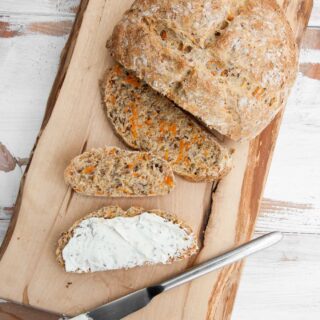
(25, 25)
(310, 54)
(28, 67)
(273, 222)
(33, 286)
(285, 278)
(288, 217)
(294, 175)
(39, 7)
(315, 15)
(69, 7)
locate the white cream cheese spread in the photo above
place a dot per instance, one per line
(83, 316)
(101, 244)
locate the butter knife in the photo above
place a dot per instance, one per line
(132, 302)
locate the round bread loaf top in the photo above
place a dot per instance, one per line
(229, 63)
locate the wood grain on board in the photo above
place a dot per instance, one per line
(73, 122)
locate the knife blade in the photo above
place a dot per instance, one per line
(132, 302)
(123, 306)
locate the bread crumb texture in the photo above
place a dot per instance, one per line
(111, 238)
(229, 63)
(114, 172)
(146, 120)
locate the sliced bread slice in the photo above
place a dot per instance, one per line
(148, 121)
(112, 238)
(114, 172)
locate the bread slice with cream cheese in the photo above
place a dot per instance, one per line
(111, 238)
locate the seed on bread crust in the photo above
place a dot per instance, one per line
(113, 172)
(148, 121)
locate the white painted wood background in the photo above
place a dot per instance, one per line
(282, 282)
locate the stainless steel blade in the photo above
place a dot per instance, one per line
(128, 304)
(11, 311)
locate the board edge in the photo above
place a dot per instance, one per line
(271, 130)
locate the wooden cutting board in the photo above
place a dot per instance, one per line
(223, 214)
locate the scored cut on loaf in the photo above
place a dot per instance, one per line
(112, 238)
(148, 121)
(114, 172)
(229, 63)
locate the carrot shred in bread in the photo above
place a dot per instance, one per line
(117, 69)
(169, 181)
(89, 169)
(173, 128)
(112, 99)
(134, 120)
(196, 138)
(133, 81)
(181, 151)
(230, 17)
(162, 125)
(258, 92)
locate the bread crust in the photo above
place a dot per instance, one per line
(229, 63)
(115, 211)
(113, 172)
(146, 120)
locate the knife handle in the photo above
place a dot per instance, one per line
(229, 257)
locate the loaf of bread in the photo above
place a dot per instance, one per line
(111, 238)
(113, 172)
(148, 121)
(229, 63)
